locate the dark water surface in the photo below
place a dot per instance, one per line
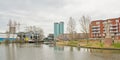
(51, 52)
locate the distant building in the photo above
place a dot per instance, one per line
(76, 36)
(50, 37)
(35, 36)
(4, 36)
(58, 29)
(12, 27)
(97, 28)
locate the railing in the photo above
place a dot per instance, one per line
(96, 32)
(113, 27)
(96, 29)
(96, 26)
(114, 31)
(113, 24)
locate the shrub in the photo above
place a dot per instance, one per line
(18, 41)
(6, 41)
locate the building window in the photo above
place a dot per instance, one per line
(117, 21)
(104, 22)
(97, 22)
(109, 21)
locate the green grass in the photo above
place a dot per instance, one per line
(101, 44)
(116, 45)
(72, 43)
(88, 44)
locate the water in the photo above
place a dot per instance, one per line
(51, 52)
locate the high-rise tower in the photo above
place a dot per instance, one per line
(58, 29)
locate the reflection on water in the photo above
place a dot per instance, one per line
(59, 48)
(51, 52)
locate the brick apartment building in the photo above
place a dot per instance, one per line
(97, 28)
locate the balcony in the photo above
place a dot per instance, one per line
(113, 24)
(112, 34)
(104, 31)
(96, 32)
(105, 22)
(114, 31)
(113, 28)
(118, 34)
(96, 26)
(111, 31)
(94, 29)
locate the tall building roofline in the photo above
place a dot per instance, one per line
(106, 19)
(56, 23)
(61, 22)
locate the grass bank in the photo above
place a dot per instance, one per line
(14, 41)
(91, 43)
(116, 45)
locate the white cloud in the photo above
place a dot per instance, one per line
(44, 13)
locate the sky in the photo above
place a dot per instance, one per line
(43, 13)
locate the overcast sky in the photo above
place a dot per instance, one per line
(44, 13)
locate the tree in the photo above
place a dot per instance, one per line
(37, 32)
(84, 23)
(41, 33)
(71, 28)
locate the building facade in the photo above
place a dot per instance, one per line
(58, 29)
(12, 26)
(76, 36)
(98, 29)
(5, 36)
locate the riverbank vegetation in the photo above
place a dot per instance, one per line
(116, 45)
(92, 43)
(13, 41)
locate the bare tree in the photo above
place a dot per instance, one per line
(84, 23)
(40, 33)
(71, 27)
(37, 31)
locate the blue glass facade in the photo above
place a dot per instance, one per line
(61, 26)
(58, 29)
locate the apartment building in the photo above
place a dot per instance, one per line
(98, 29)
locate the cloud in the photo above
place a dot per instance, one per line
(44, 13)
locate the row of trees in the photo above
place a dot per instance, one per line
(36, 33)
(36, 30)
(84, 22)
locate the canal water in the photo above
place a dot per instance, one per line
(51, 52)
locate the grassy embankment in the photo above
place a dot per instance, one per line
(14, 41)
(116, 45)
(91, 43)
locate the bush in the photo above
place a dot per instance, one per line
(18, 41)
(6, 41)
